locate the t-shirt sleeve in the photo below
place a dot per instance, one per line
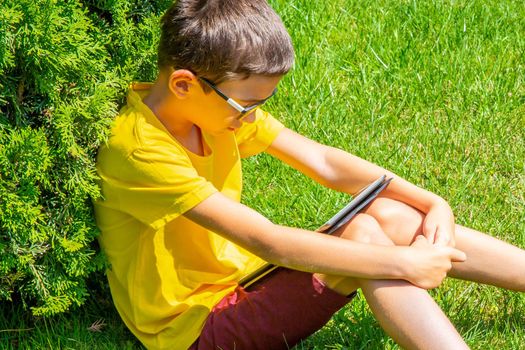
(155, 184)
(256, 137)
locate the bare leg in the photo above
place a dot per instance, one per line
(407, 313)
(410, 316)
(489, 260)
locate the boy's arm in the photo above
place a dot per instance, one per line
(345, 172)
(422, 264)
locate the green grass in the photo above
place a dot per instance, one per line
(434, 91)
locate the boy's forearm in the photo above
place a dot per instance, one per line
(315, 252)
(422, 264)
(349, 173)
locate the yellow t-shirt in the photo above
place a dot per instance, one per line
(166, 271)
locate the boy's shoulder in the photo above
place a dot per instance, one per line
(136, 124)
(136, 131)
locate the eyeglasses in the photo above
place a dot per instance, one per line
(238, 107)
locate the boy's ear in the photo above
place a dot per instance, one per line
(181, 81)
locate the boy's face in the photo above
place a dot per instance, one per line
(213, 113)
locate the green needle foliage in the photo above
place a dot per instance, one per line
(63, 69)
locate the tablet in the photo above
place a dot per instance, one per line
(358, 202)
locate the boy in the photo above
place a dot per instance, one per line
(178, 239)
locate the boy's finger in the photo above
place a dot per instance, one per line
(442, 237)
(420, 240)
(430, 233)
(457, 255)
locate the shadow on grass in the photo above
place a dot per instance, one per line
(486, 317)
(94, 325)
(353, 327)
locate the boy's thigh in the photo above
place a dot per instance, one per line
(276, 313)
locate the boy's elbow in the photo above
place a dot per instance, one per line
(329, 174)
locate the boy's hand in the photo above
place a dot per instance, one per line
(428, 264)
(439, 226)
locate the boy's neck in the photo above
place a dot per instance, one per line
(171, 116)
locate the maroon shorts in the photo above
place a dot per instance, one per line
(275, 313)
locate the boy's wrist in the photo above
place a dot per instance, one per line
(402, 263)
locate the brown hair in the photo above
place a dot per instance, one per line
(224, 39)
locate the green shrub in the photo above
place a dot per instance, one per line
(64, 68)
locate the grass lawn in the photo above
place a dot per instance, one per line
(434, 91)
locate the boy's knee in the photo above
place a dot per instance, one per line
(389, 212)
(364, 228)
